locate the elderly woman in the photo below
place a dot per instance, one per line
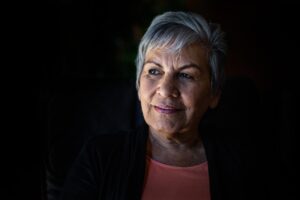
(180, 69)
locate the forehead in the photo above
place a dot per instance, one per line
(195, 53)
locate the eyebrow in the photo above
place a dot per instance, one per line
(189, 65)
(152, 62)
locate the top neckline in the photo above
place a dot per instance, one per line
(157, 163)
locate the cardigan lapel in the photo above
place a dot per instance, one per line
(137, 162)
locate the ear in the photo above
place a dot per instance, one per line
(215, 99)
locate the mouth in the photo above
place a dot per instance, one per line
(167, 109)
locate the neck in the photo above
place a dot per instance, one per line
(184, 149)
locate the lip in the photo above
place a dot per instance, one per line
(164, 109)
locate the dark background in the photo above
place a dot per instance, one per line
(98, 40)
(81, 42)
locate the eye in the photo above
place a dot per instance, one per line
(184, 76)
(153, 72)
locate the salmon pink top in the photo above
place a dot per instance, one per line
(164, 182)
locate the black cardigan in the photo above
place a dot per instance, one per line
(112, 167)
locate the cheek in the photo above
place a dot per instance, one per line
(147, 89)
(196, 102)
(145, 97)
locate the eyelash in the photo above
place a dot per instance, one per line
(153, 72)
(156, 72)
(184, 76)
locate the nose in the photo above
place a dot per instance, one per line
(168, 87)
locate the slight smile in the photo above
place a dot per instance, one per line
(166, 109)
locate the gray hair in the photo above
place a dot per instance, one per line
(177, 30)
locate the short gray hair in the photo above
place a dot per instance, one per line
(177, 30)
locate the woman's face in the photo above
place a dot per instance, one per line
(175, 89)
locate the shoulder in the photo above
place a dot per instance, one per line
(117, 141)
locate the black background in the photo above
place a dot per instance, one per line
(61, 42)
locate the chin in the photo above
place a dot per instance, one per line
(169, 129)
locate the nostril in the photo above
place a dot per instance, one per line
(169, 91)
(176, 94)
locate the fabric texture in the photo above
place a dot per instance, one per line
(112, 167)
(176, 183)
